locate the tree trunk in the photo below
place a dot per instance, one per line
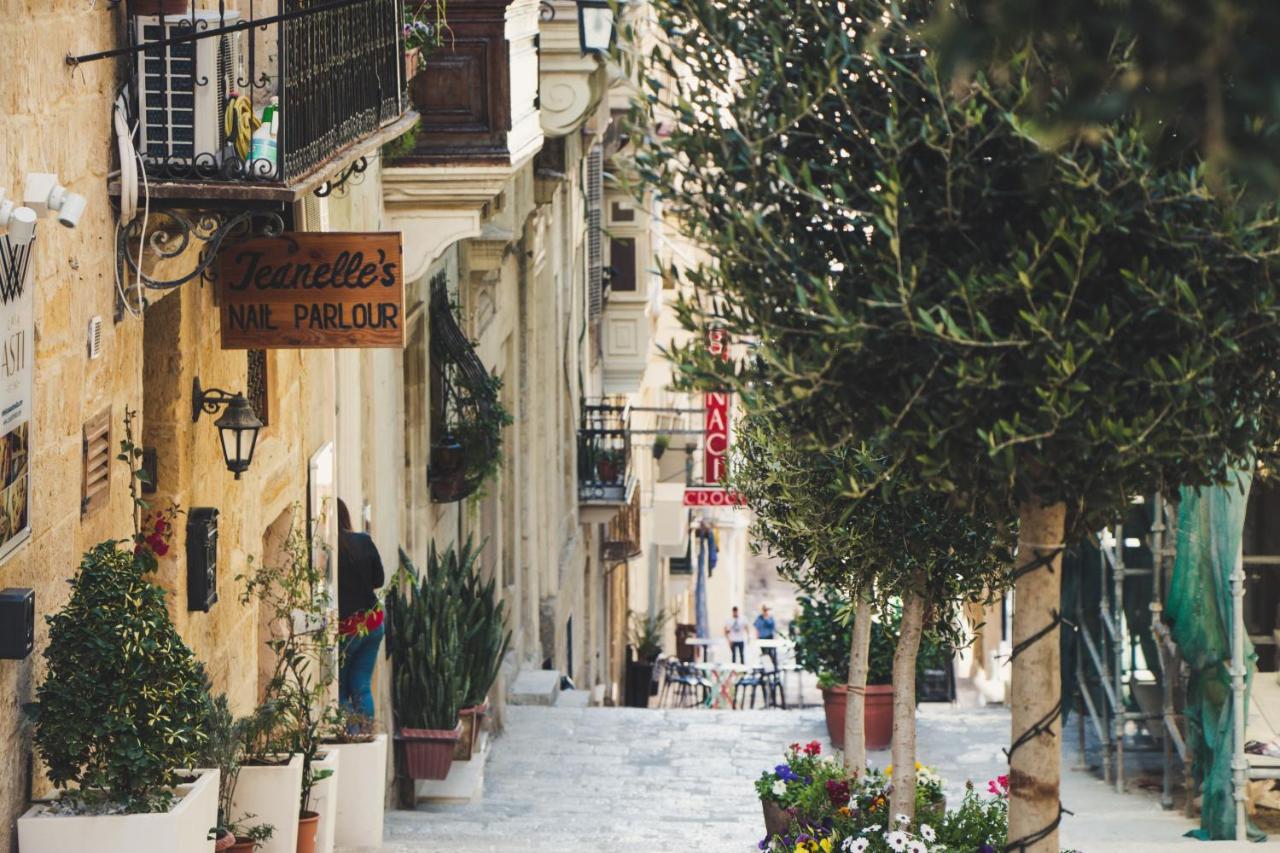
(855, 715)
(902, 799)
(1035, 762)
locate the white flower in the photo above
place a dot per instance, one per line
(855, 845)
(927, 833)
(779, 788)
(901, 819)
(875, 827)
(917, 847)
(897, 840)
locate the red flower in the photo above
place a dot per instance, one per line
(999, 786)
(838, 792)
(812, 748)
(795, 747)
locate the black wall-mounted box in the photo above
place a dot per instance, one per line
(202, 558)
(17, 623)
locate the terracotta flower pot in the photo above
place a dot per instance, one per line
(470, 718)
(246, 846)
(877, 715)
(428, 752)
(412, 58)
(225, 841)
(308, 827)
(777, 820)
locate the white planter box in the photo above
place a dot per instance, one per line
(324, 796)
(183, 829)
(272, 794)
(362, 787)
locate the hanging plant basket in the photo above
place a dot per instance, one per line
(470, 415)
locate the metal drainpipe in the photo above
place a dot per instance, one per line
(1239, 763)
(1118, 651)
(1166, 679)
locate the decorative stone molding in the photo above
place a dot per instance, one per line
(572, 85)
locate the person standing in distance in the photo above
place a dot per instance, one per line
(735, 631)
(360, 615)
(767, 629)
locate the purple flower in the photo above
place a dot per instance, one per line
(986, 848)
(764, 842)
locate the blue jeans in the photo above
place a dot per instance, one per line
(355, 675)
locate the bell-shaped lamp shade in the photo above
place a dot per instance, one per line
(238, 429)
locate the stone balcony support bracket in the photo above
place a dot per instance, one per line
(571, 84)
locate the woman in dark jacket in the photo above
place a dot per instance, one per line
(360, 574)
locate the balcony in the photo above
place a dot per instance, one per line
(622, 537)
(478, 92)
(605, 480)
(200, 82)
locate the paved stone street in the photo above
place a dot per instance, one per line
(628, 780)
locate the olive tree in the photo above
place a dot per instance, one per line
(885, 546)
(1037, 331)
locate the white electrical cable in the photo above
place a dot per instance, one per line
(131, 167)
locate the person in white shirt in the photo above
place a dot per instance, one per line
(735, 631)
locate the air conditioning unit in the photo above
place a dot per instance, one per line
(183, 88)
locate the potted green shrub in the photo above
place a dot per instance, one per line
(822, 632)
(484, 642)
(660, 444)
(294, 595)
(358, 817)
(224, 749)
(428, 684)
(646, 641)
(119, 717)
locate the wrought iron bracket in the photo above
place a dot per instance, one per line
(207, 400)
(352, 174)
(170, 234)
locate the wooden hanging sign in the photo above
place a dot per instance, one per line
(304, 290)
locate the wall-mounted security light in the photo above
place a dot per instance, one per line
(44, 194)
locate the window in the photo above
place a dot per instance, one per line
(622, 263)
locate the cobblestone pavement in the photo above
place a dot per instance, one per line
(629, 780)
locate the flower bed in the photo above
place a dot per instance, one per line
(828, 811)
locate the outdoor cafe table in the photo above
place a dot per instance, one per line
(722, 676)
(704, 644)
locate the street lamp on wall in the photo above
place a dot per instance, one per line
(237, 428)
(597, 27)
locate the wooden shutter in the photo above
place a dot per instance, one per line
(96, 456)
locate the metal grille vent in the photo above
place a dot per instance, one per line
(595, 237)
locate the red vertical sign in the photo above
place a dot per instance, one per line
(715, 436)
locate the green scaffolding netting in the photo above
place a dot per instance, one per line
(1199, 610)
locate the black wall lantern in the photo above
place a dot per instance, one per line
(237, 428)
(202, 558)
(596, 26)
(17, 623)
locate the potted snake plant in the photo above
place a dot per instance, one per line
(484, 643)
(428, 684)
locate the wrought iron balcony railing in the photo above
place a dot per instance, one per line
(604, 454)
(198, 84)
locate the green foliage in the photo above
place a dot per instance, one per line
(483, 620)
(402, 145)
(1200, 72)
(294, 597)
(424, 637)
(916, 269)
(224, 749)
(822, 631)
(123, 701)
(977, 822)
(893, 540)
(646, 634)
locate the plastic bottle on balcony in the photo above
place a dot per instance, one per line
(262, 156)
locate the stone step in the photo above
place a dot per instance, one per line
(534, 687)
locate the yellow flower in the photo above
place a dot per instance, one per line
(888, 771)
(826, 845)
(917, 765)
